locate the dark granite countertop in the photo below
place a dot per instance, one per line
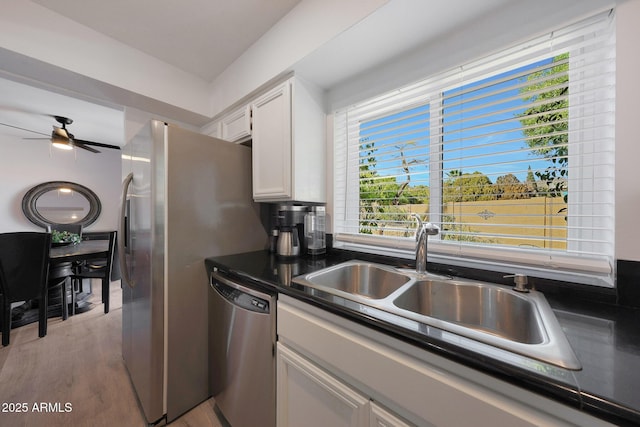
(605, 338)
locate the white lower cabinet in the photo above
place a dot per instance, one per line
(334, 372)
(380, 417)
(308, 396)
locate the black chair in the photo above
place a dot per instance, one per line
(100, 268)
(60, 276)
(24, 265)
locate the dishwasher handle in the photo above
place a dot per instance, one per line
(241, 295)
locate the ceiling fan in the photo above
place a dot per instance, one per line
(62, 138)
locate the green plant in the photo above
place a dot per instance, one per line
(64, 237)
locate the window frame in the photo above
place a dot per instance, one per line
(561, 266)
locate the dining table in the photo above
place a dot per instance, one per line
(84, 250)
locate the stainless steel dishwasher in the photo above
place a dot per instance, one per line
(242, 339)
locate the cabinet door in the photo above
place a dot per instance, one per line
(271, 145)
(380, 417)
(236, 127)
(211, 129)
(308, 396)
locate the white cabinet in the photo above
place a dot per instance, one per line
(233, 127)
(286, 126)
(288, 144)
(380, 417)
(418, 386)
(212, 129)
(236, 126)
(271, 145)
(308, 396)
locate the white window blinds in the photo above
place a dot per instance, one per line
(511, 155)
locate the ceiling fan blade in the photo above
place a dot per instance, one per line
(62, 136)
(84, 146)
(28, 130)
(96, 144)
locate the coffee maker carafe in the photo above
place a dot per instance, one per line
(288, 242)
(291, 235)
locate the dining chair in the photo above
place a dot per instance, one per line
(24, 264)
(100, 268)
(60, 276)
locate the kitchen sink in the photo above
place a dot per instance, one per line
(521, 323)
(485, 308)
(358, 279)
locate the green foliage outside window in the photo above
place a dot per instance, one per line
(546, 124)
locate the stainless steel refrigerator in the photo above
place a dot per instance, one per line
(186, 196)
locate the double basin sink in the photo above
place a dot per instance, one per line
(522, 323)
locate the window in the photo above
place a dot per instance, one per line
(511, 155)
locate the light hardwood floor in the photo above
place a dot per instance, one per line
(75, 375)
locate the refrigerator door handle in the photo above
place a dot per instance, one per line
(124, 231)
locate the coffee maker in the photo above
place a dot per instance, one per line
(291, 242)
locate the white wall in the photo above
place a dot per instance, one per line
(480, 38)
(627, 131)
(26, 163)
(307, 27)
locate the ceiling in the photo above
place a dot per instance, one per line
(201, 37)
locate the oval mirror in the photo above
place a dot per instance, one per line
(61, 202)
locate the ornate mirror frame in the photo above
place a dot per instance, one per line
(30, 200)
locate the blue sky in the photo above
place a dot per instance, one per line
(473, 145)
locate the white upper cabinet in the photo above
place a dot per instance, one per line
(288, 144)
(271, 145)
(212, 129)
(236, 126)
(286, 126)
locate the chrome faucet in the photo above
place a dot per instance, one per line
(423, 230)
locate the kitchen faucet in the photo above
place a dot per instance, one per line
(423, 230)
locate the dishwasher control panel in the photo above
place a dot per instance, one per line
(240, 298)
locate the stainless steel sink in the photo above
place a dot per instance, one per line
(484, 308)
(521, 323)
(358, 279)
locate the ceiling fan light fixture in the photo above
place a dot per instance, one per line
(60, 133)
(62, 144)
(60, 138)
